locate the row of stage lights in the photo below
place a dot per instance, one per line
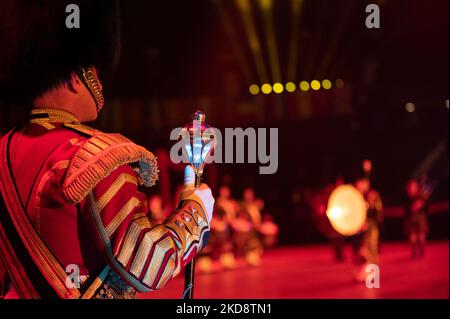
(291, 87)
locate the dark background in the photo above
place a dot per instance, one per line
(177, 56)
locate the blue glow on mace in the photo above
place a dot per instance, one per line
(199, 145)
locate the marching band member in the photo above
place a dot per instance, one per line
(416, 218)
(73, 196)
(372, 227)
(225, 214)
(368, 239)
(269, 231)
(247, 225)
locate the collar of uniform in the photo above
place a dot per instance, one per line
(52, 115)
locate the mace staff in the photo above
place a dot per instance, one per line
(198, 150)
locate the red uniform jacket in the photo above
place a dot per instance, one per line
(82, 192)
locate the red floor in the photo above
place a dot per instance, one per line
(309, 272)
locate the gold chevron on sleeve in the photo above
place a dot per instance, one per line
(169, 272)
(143, 252)
(121, 215)
(131, 239)
(157, 260)
(114, 189)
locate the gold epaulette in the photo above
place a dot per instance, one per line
(99, 156)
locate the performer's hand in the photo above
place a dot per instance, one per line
(202, 194)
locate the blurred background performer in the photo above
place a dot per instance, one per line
(220, 245)
(249, 222)
(366, 243)
(80, 201)
(269, 231)
(224, 215)
(416, 217)
(367, 167)
(371, 240)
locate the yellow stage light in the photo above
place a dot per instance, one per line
(266, 88)
(304, 86)
(290, 87)
(340, 83)
(254, 89)
(266, 4)
(278, 88)
(326, 84)
(315, 85)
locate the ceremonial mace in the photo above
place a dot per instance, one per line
(197, 148)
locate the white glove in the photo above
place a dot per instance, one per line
(202, 194)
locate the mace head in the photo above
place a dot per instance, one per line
(200, 116)
(198, 145)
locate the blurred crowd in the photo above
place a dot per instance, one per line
(240, 230)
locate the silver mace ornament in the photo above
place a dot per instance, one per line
(198, 144)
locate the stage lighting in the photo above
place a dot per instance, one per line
(254, 42)
(266, 4)
(315, 85)
(266, 88)
(278, 88)
(254, 89)
(446, 103)
(340, 83)
(410, 107)
(290, 87)
(326, 84)
(304, 86)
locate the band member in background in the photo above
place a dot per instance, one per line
(72, 196)
(252, 206)
(221, 244)
(416, 217)
(367, 168)
(269, 231)
(225, 213)
(372, 227)
(247, 226)
(366, 243)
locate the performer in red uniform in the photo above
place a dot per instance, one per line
(73, 198)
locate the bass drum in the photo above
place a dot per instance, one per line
(346, 210)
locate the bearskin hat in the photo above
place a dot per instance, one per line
(39, 52)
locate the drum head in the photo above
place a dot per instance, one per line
(346, 210)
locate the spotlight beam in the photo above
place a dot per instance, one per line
(267, 13)
(297, 6)
(329, 53)
(252, 35)
(238, 51)
(312, 54)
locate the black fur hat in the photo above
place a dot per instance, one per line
(38, 52)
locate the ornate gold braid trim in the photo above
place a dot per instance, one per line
(99, 156)
(89, 76)
(53, 116)
(190, 224)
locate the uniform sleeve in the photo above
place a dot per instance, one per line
(144, 253)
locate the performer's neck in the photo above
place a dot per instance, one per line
(73, 98)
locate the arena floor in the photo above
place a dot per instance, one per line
(310, 272)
